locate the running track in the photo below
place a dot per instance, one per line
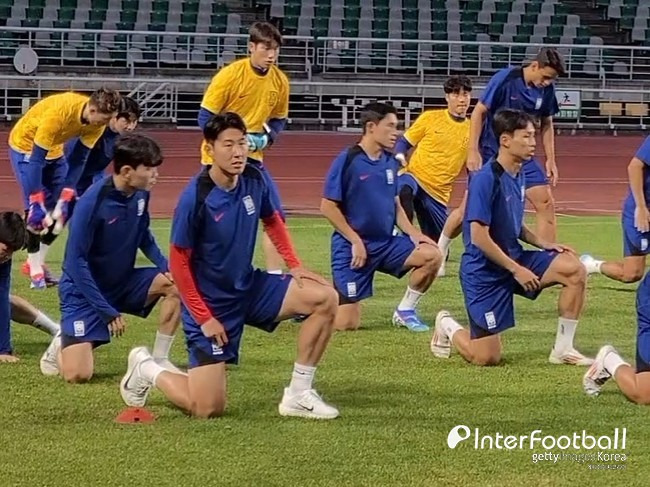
(593, 176)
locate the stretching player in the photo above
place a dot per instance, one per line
(14, 308)
(636, 225)
(258, 91)
(36, 154)
(81, 177)
(99, 280)
(361, 202)
(495, 267)
(635, 384)
(529, 89)
(212, 243)
(440, 138)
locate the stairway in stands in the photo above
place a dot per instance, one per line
(600, 27)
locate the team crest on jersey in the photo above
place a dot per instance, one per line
(644, 244)
(79, 328)
(538, 104)
(140, 206)
(273, 98)
(490, 320)
(249, 205)
(390, 176)
(216, 349)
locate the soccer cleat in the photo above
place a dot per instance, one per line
(591, 265)
(569, 357)
(134, 388)
(166, 364)
(597, 374)
(306, 405)
(440, 342)
(409, 319)
(50, 279)
(50, 358)
(38, 282)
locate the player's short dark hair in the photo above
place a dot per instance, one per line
(221, 122)
(134, 150)
(375, 112)
(265, 33)
(456, 83)
(129, 109)
(550, 57)
(507, 121)
(106, 100)
(13, 232)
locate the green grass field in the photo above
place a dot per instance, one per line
(397, 402)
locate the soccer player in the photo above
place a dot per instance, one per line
(361, 202)
(258, 91)
(36, 154)
(634, 384)
(82, 176)
(495, 267)
(440, 138)
(12, 238)
(530, 89)
(636, 225)
(212, 243)
(99, 281)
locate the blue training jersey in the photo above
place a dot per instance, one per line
(643, 154)
(366, 190)
(507, 89)
(496, 199)
(220, 227)
(98, 160)
(106, 231)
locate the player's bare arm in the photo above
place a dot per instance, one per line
(528, 236)
(331, 210)
(474, 160)
(641, 213)
(548, 140)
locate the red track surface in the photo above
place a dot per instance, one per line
(593, 176)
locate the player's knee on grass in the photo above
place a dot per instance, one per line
(486, 351)
(208, 410)
(77, 363)
(207, 387)
(348, 317)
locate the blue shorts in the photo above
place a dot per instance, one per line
(490, 305)
(273, 189)
(534, 174)
(635, 243)
(54, 174)
(258, 308)
(80, 323)
(387, 256)
(431, 213)
(643, 325)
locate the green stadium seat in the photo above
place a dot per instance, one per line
(529, 19)
(628, 11)
(128, 16)
(558, 20)
(322, 11)
(503, 6)
(438, 5)
(187, 27)
(97, 15)
(125, 25)
(61, 24)
(627, 23)
(382, 13)
(29, 23)
(95, 4)
(6, 3)
(409, 27)
(130, 5)
(561, 9)
(158, 17)
(37, 3)
(533, 8)
(5, 12)
(291, 11)
(352, 11)
(468, 16)
(67, 14)
(495, 29)
(380, 25)
(188, 18)
(439, 27)
(157, 27)
(411, 14)
(320, 26)
(291, 22)
(93, 25)
(474, 6)
(381, 4)
(410, 4)
(160, 6)
(217, 8)
(555, 30)
(525, 30)
(32, 13)
(500, 18)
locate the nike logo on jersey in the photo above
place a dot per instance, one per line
(363, 177)
(217, 218)
(112, 220)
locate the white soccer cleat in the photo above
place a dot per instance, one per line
(597, 374)
(569, 357)
(50, 358)
(591, 265)
(134, 388)
(440, 342)
(306, 405)
(166, 364)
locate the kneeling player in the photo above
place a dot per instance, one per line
(13, 237)
(99, 280)
(361, 202)
(212, 243)
(635, 384)
(636, 225)
(494, 266)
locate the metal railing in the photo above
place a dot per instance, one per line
(134, 51)
(322, 105)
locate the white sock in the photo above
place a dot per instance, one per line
(43, 252)
(450, 326)
(410, 300)
(34, 261)
(443, 244)
(43, 322)
(150, 370)
(613, 361)
(566, 330)
(274, 271)
(162, 345)
(599, 264)
(302, 378)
